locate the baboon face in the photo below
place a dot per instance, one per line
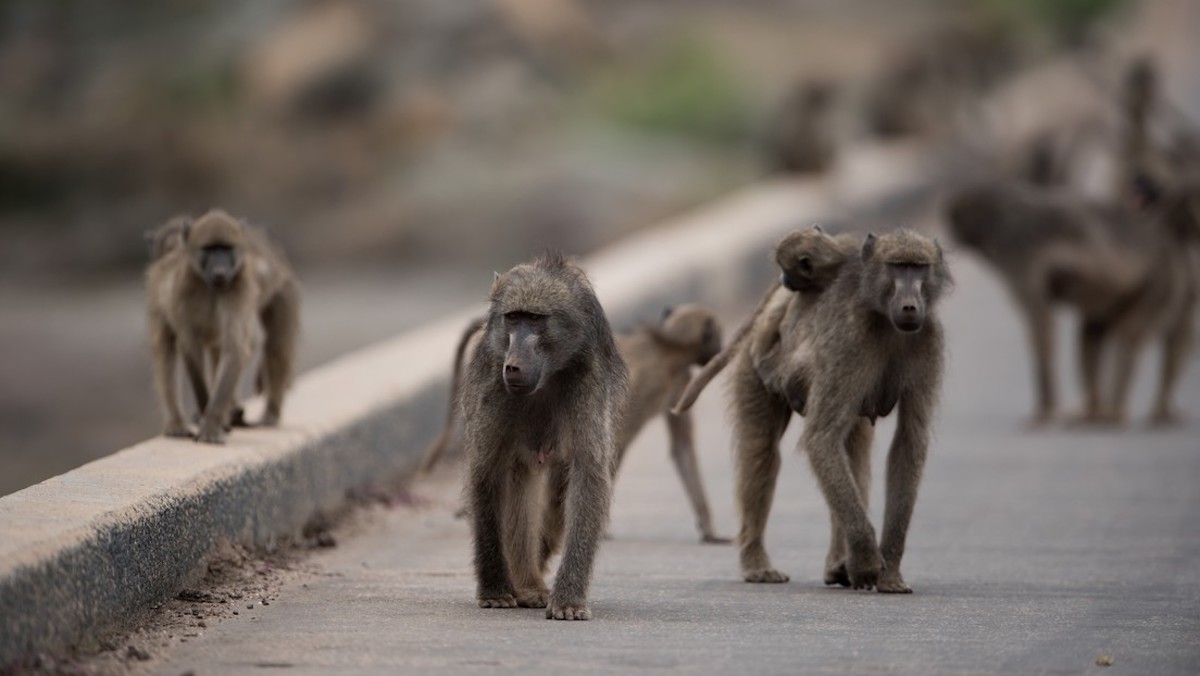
(214, 245)
(903, 277)
(695, 327)
(534, 327)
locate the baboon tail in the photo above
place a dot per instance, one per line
(434, 453)
(281, 326)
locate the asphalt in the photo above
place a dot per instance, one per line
(1031, 552)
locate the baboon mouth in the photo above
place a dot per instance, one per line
(519, 388)
(908, 326)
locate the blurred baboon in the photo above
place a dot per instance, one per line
(1128, 272)
(212, 294)
(809, 261)
(659, 360)
(165, 238)
(542, 404)
(802, 136)
(869, 342)
(872, 340)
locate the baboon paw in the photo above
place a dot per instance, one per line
(837, 575)
(498, 601)
(893, 584)
(710, 539)
(864, 572)
(765, 575)
(568, 611)
(533, 598)
(210, 435)
(1165, 418)
(269, 420)
(238, 418)
(177, 430)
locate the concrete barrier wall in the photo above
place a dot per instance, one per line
(89, 549)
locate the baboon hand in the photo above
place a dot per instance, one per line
(211, 434)
(892, 583)
(864, 568)
(269, 419)
(712, 539)
(570, 610)
(768, 575)
(176, 428)
(497, 601)
(533, 597)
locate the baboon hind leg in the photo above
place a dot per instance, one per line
(281, 324)
(858, 451)
(1176, 347)
(760, 419)
(683, 454)
(1092, 336)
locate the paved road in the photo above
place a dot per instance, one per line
(1029, 553)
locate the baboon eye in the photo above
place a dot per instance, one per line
(523, 316)
(218, 249)
(667, 312)
(907, 267)
(806, 265)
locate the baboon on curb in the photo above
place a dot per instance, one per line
(869, 342)
(542, 402)
(659, 360)
(801, 140)
(809, 261)
(216, 287)
(1128, 272)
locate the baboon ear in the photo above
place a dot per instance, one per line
(818, 229)
(938, 245)
(495, 276)
(667, 312)
(868, 247)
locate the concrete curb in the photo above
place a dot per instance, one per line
(87, 550)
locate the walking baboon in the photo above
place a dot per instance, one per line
(809, 261)
(869, 342)
(802, 139)
(215, 289)
(1128, 272)
(659, 360)
(542, 403)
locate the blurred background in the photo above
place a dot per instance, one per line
(402, 150)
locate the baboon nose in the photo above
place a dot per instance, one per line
(909, 308)
(511, 370)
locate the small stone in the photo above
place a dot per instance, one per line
(266, 602)
(201, 624)
(250, 606)
(235, 612)
(137, 653)
(1104, 661)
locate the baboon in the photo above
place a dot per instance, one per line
(217, 287)
(809, 261)
(870, 342)
(166, 237)
(542, 402)
(801, 140)
(1127, 271)
(659, 360)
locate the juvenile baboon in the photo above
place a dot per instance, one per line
(659, 360)
(809, 261)
(869, 342)
(217, 287)
(1128, 272)
(802, 138)
(542, 403)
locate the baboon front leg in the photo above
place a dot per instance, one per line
(554, 522)
(905, 463)
(1127, 350)
(760, 419)
(858, 451)
(683, 453)
(522, 535)
(216, 414)
(165, 353)
(193, 362)
(588, 496)
(825, 435)
(488, 497)
(1176, 347)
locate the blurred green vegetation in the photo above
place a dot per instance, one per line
(685, 89)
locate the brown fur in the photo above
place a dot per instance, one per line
(1128, 272)
(868, 343)
(659, 359)
(809, 261)
(542, 403)
(216, 288)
